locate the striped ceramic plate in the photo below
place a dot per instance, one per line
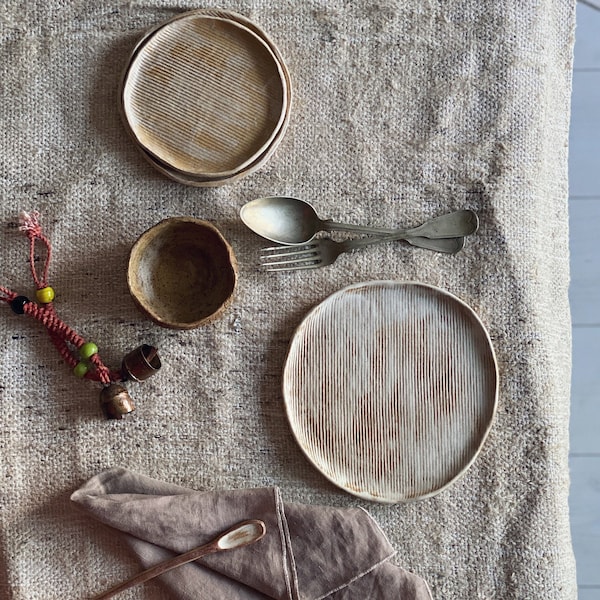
(206, 96)
(391, 388)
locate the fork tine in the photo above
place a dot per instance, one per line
(292, 258)
(293, 261)
(309, 246)
(289, 268)
(286, 251)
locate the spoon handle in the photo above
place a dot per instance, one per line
(329, 225)
(189, 556)
(455, 224)
(447, 245)
(159, 569)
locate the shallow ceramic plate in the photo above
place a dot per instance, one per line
(390, 389)
(205, 95)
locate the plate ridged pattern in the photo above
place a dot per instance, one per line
(390, 389)
(204, 95)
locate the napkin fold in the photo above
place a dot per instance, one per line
(308, 552)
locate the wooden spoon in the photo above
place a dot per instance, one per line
(242, 534)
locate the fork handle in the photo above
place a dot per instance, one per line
(445, 245)
(457, 243)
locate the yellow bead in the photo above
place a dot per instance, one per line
(45, 295)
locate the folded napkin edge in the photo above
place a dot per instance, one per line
(356, 577)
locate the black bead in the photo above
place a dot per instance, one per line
(18, 304)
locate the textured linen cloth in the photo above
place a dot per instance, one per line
(308, 551)
(402, 110)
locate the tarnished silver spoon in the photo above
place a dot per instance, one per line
(292, 221)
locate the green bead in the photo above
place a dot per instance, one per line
(81, 369)
(88, 350)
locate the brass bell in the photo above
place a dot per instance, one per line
(140, 363)
(116, 401)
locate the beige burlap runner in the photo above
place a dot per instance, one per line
(402, 110)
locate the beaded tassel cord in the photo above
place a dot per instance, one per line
(82, 356)
(88, 363)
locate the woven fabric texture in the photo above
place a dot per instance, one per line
(402, 110)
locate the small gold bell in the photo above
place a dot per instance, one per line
(116, 401)
(140, 363)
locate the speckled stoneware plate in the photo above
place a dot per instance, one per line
(390, 389)
(206, 96)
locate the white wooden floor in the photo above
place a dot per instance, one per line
(584, 205)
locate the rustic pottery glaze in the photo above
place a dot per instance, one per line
(182, 273)
(206, 97)
(391, 389)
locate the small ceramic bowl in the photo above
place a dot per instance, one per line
(182, 273)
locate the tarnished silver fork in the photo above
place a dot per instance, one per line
(324, 251)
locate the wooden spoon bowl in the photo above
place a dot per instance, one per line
(182, 273)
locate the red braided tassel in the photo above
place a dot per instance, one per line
(61, 335)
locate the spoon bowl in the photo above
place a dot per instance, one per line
(242, 535)
(282, 219)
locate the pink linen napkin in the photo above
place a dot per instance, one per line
(308, 552)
